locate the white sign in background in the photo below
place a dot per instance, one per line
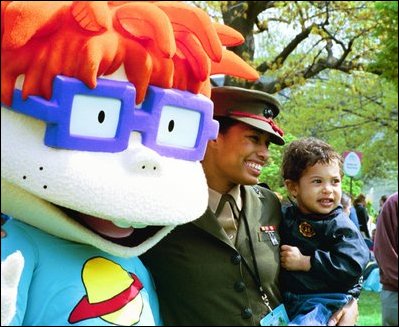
(352, 164)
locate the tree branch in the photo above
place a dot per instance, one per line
(286, 51)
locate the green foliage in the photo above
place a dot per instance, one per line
(371, 211)
(352, 113)
(357, 185)
(271, 173)
(356, 111)
(369, 309)
(386, 58)
(335, 64)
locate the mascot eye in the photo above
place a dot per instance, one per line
(178, 127)
(94, 116)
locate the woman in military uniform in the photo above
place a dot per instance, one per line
(223, 268)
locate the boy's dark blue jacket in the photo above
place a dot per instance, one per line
(338, 252)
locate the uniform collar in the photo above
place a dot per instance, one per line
(214, 197)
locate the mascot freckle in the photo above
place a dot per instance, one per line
(105, 118)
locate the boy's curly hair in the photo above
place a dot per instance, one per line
(306, 152)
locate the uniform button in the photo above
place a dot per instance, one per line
(246, 313)
(239, 286)
(236, 259)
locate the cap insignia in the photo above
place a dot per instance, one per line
(268, 112)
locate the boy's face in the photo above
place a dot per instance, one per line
(319, 188)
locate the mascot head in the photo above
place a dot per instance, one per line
(106, 115)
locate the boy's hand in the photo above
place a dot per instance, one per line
(292, 259)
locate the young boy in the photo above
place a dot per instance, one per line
(323, 254)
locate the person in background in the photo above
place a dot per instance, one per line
(373, 232)
(223, 268)
(349, 210)
(383, 198)
(323, 254)
(362, 215)
(386, 253)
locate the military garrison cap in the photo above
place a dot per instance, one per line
(252, 107)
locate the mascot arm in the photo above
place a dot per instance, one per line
(16, 275)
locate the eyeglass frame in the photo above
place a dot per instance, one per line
(56, 113)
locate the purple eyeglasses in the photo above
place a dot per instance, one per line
(174, 123)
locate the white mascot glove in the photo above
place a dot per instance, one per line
(11, 269)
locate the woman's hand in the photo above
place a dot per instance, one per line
(346, 316)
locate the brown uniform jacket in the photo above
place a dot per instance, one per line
(201, 278)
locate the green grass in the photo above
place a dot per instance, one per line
(369, 309)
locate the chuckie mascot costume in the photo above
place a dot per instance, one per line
(105, 117)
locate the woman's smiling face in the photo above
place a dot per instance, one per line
(237, 157)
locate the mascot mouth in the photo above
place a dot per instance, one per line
(126, 236)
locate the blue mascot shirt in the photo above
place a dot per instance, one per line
(64, 283)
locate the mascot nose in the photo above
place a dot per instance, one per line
(141, 159)
(145, 162)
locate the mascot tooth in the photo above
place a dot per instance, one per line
(105, 118)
